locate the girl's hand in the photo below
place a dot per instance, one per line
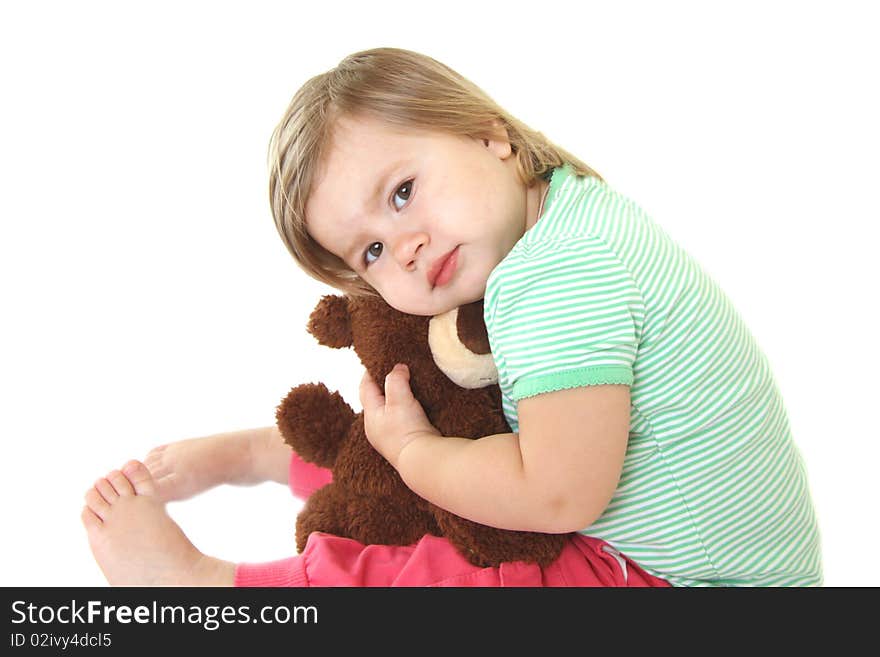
(393, 419)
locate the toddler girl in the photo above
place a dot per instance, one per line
(644, 417)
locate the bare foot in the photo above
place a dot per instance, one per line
(135, 541)
(188, 467)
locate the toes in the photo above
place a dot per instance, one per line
(140, 477)
(96, 503)
(89, 518)
(120, 483)
(106, 490)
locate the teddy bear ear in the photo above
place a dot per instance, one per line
(330, 322)
(460, 347)
(472, 328)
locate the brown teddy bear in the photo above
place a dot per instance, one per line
(453, 376)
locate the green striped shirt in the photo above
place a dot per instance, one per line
(713, 491)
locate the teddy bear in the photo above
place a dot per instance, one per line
(453, 376)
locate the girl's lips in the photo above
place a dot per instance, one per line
(442, 270)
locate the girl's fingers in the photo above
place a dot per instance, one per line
(397, 388)
(370, 394)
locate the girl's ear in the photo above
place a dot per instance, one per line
(497, 140)
(330, 322)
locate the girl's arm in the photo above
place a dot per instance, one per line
(557, 475)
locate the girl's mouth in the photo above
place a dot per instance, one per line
(443, 269)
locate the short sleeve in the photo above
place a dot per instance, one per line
(563, 313)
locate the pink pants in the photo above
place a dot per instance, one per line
(333, 561)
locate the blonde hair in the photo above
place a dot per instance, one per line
(404, 89)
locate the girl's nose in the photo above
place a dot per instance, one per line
(407, 247)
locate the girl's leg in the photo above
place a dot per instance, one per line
(186, 468)
(134, 540)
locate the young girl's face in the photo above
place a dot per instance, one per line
(423, 217)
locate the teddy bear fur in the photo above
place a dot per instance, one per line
(367, 500)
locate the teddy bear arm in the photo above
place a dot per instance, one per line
(314, 422)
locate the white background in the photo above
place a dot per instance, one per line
(147, 298)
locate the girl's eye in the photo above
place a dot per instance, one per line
(402, 194)
(372, 253)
